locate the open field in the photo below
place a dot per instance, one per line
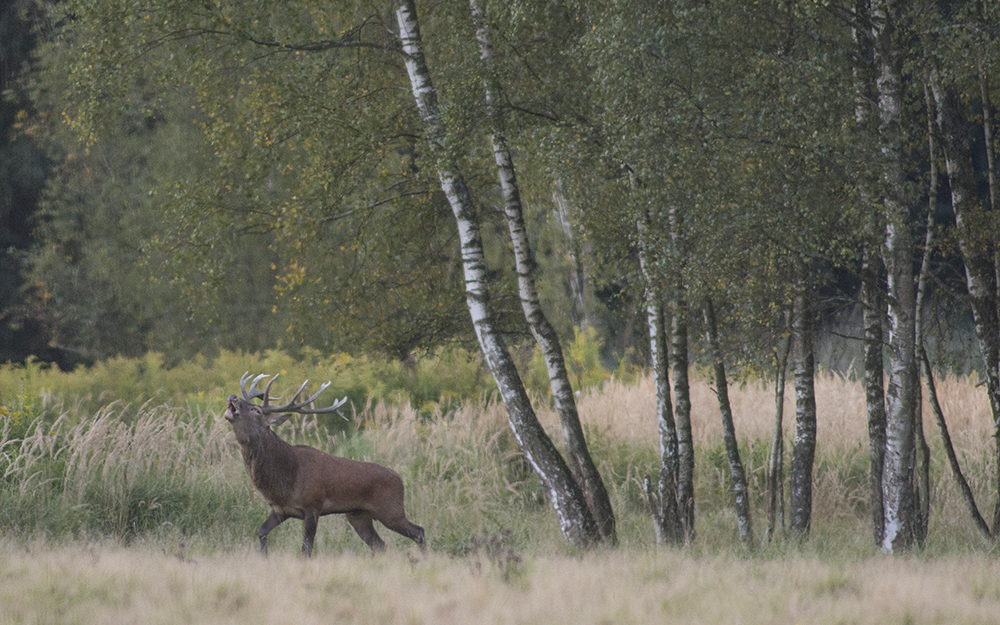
(144, 514)
(99, 584)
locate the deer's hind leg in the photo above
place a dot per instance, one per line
(361, 521)
(411, 530)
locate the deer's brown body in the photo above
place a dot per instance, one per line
(304, 483)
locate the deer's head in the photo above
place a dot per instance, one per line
(249, 419)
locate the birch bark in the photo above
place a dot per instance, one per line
(741, 494)
(578, 275)
(872, 300)
(580, 461)
(776, 459)
(682, 387)
(922, 450)
(978, 249)
(564, 493)
(664, 504)
(873, 312)
(902, 388)
(804, 449)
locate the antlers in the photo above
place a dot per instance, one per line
(252, 392)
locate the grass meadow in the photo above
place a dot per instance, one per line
(124, 509)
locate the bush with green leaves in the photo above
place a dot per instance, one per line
(430, 381)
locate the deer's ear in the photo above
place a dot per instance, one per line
(275, 420)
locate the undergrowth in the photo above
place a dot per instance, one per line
(167, 468)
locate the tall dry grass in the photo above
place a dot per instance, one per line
(150, 518)
(627, 411)
(161, 470)
(170, 471)
(622, 416)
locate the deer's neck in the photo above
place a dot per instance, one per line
(271, 464)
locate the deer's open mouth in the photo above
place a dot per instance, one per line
(230, 413)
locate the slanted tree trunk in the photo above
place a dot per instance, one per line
(741, 494)
(564, 493)
(582, 465)
(897, 475)
(776, 459)
(804, 449)
(949, 448)
(682, 386)
(978, 249)
(663, 502)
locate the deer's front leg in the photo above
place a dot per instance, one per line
(311, 520)
(273, 520)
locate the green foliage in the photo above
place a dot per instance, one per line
(309, 180)
(583, 361)
(431, 382)
(262, 174)
(98, 277)
(18, 416)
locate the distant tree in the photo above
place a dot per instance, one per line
(23, 168)
(99, 279)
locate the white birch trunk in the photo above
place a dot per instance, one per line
(874, 315)
(664, 505)
(578, 276)
(872, 300)
(897, 479)
(776, 459)
(581, 463)
(804, 448)
(564, 493)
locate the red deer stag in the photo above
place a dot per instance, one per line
(305, 483)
